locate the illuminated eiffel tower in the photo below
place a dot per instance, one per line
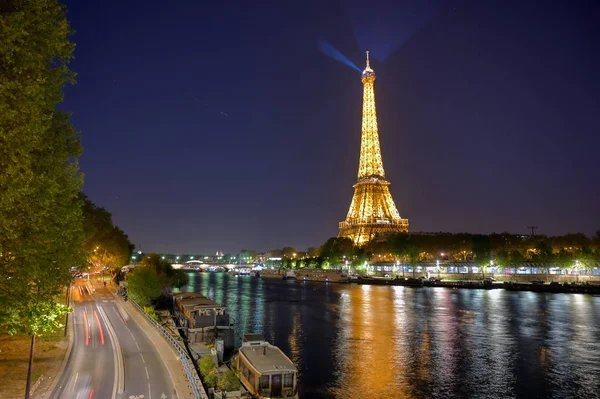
(372, 211)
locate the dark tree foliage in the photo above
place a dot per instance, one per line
(40, 213)
(104, 242)
(168, 276)
(336, 247)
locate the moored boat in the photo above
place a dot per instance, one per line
(289, 275)
(324, 275)
(264, 370)
(274, 273)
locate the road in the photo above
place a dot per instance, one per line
(111, 357)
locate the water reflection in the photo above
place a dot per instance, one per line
(353, 341)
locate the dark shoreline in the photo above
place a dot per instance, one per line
(553, 287)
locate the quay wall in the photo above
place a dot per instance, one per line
(516, 278)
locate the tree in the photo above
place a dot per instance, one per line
(543, 254)
(408, 247)
(412, 253)
(105, 244)
(516, 256)
(246, 255)
(312, 252)
(288, 252)
(40, 214)
(586, 258)
(335, 248)
(481, 247)
(596, 240)
(502, 259)
(144, 285)
(169, 277)
(564, 259)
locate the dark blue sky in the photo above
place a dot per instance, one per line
(220, 125)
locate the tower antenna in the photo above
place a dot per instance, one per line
(368, 66)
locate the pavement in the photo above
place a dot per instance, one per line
(112, 356)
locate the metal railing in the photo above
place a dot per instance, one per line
(186, 362)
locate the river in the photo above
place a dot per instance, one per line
(359, 341)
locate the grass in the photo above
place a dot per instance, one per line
(14, 358)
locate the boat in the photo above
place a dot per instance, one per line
(203, 320)
(240, 271)
(273, 273)
(289, 275)
(264, 370)
(325, 275)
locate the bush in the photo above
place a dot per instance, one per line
(229, 381)
(208, 371)
(151, 312)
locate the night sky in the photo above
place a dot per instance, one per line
(221, 125)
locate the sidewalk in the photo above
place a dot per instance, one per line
(168, 355)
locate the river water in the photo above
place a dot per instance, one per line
(360, 341)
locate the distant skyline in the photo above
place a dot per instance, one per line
(210, 126)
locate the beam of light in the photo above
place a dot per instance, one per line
(332, 52)
(384, 27)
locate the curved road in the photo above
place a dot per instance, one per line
(111, 356)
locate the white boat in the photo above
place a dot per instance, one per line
(265, 371)
(326, 275)
(289, 275)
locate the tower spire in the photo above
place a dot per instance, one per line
(368, 66)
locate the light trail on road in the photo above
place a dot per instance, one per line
(87, 328)
(100, 328)
(126, 363)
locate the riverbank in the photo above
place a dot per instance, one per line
(534, 283)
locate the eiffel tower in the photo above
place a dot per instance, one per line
(372, 211)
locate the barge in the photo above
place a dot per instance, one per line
(203, 320)
(264, 370)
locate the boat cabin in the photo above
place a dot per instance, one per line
(265, 370)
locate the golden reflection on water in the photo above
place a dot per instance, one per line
(294, 338)
(371, 350)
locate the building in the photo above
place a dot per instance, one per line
(372, 211)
